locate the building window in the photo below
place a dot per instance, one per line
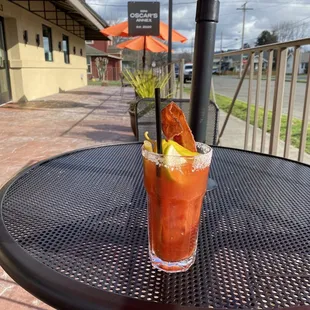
(65, 48)
(47, 43)
(89, 41)
(88, 64)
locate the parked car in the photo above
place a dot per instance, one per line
(215, 70)
(188, 71)
(177, 71)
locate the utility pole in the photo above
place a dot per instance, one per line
(244, 9)
(192, 49)
(221, 50)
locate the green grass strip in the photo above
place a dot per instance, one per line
(240, 110)
(99, 83)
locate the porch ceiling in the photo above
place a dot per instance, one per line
(74, 16)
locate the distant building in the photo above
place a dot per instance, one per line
(42, 46)
(96, 49)
(303, 63)
(232, 62)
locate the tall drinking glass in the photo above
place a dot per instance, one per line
(175, 186)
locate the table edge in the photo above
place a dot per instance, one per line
(52, 292)
(48, 285)
(25, 169)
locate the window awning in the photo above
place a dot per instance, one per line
(74, 16)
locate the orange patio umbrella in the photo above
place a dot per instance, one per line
(121, 30)
(145, 43)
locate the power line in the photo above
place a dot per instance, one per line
(297, 23)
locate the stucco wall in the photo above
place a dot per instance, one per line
(31, 76)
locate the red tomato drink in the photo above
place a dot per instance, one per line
(176, 186)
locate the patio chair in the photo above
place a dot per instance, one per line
(145, 109)
(124, 83)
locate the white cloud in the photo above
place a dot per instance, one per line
(264, 15)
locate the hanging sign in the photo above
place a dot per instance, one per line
(143, 18)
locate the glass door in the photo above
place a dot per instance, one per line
(5, 92)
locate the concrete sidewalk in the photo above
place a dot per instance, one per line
(52, 125)
(62, 122)
(234, 137)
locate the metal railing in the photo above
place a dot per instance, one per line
(279, 53)
(175, 86)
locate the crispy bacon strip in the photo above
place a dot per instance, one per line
(175, 127)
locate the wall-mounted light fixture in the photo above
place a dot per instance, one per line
(74, 50)
(81, 52)
(59, 46)
(38, 39)
(25, 36)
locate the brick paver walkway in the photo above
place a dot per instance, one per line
(55, 124)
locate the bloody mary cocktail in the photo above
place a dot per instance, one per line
(176, 185)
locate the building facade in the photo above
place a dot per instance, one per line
(42, 47)
(303, 63)
(99, 49)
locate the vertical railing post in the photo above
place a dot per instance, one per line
(305, 119)
(172, 77)
(166, 71)
(234, 98)
(248, 114)
(267, 101)
(213, 91)
(162, 73)
(181, 77)
(257, 99)
(278, 101)
(291, 102)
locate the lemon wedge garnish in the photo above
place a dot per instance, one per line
(173, 158)
(148, 146)
(174, 154)
(181, 149)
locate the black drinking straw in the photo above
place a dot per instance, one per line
(158, 120)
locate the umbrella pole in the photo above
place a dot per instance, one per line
(207, 13)
(170, 45)
(143, 57)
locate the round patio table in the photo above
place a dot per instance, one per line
(73, 232)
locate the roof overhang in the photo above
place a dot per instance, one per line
(91, 51)
(74, 16)
(105, 55)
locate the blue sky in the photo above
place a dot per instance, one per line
(265, 14)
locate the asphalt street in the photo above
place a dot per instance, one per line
(227, 86)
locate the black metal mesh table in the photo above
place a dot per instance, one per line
(73, 232)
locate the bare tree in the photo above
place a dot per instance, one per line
(101, 64)
(289, 30)
(186, 56)
(159, 58)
